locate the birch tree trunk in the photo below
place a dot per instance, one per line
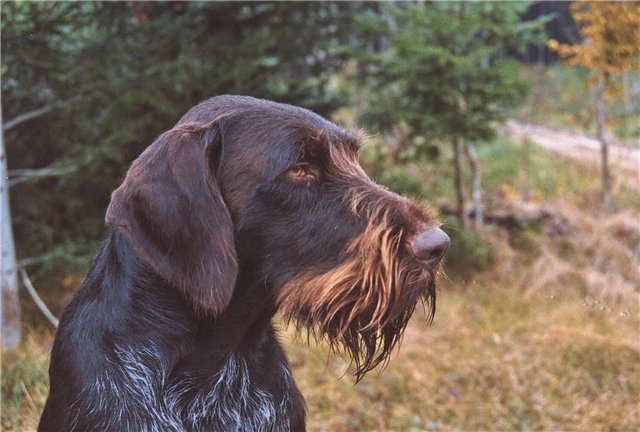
(604, 144)
(458, 149)
(476, 186)
(9, 300)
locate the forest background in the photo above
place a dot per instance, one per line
(466, 105)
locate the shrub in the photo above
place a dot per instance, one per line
(468, 253)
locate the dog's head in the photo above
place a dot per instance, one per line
(278, 192)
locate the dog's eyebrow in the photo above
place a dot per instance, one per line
(311, 148)
(319, 143)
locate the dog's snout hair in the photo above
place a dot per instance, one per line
(244, 209)
(362, 304)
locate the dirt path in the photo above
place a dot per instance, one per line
(625, 156)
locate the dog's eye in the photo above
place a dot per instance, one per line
(302, 172)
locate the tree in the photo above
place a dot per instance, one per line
(444, 74)
(610, 48)
(9, 299)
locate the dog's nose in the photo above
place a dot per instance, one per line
(430, 246)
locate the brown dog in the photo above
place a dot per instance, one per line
(245, 208)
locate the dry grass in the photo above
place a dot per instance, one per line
(498, 357)
(596, 254)
(25, 382)
(493, 360)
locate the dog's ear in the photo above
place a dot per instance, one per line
(170, 208)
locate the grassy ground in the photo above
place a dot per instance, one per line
(496, 358)
(545, 337)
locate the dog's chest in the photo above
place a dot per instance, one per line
(144, 399)
(230, 401)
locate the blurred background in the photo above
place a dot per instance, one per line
(519, 121)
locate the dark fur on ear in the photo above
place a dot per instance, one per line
(171, 209)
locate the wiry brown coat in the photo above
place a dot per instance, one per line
(244, 208)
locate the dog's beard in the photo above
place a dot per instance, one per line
(362, 306)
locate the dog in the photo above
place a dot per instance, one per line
(244, 209)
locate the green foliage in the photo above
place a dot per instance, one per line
(511, 168)
(527, 238)
(468, 253)
(116, 75)
(400, 181)
(443, 71)
(443, 75)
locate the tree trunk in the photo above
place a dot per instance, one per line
(463, 219)
(9, 300)
(604, 145)
(476, 187)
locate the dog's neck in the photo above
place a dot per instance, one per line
(137, 346)
(201, 341)
(244, 329)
